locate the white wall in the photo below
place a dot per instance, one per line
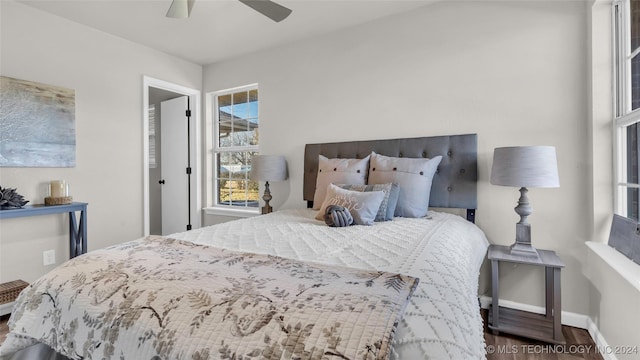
(106, 73)
(613, 298)
(614, 302)
(513, 72)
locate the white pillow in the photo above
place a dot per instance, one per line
(341, 171)
(389, 202)
(363, 206)
(413, 175)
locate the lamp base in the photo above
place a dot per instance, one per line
(522, 246)
(266, 209)
(524, 250)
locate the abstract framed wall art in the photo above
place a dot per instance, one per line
(37, 124)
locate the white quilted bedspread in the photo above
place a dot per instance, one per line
(442, 319)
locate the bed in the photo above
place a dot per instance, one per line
(400, 289)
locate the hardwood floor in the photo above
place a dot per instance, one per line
(504, 346)
(509, 347)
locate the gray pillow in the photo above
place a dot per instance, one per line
(362, 205)
(414, 176)
(338, 171)
(388, 206)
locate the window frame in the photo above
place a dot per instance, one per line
(213, 145)
(623, 115)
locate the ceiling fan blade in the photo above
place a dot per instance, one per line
(268, 8)
(180, 9)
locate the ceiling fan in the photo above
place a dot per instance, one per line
(181, 9)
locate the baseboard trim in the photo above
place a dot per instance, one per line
(600, 341)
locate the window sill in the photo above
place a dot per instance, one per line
(244, 213)
(629, 270)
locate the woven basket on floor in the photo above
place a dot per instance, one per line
(9, 291)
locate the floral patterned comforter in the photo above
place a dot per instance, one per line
(442, 320)
(161, 298)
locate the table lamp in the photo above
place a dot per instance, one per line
(268, 168)
(525, 167)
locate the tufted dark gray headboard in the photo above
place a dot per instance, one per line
(454, 184)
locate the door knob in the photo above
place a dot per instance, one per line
(161, 182)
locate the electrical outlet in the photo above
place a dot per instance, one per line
(48, 257)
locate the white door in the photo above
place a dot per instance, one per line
(174, 147)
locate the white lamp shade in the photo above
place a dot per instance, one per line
(525, 166)
(268, 168)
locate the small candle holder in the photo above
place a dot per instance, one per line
(58, 193)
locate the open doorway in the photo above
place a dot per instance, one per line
(159, 95)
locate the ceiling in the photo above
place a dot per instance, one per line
(219, 29)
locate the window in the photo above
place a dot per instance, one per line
(236, 139)
(627, 106)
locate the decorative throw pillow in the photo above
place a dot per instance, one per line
(337, 216)
(388, 206)
(362, 205)
(343, 171)
(414, 176)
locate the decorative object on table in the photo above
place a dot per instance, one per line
(10, 199)
(9, 291)
(39, 130)
(58, 193)
(268, 168)
(525, 167)
(337, 216)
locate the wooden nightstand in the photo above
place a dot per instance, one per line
(545, 327)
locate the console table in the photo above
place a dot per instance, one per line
(77, 231)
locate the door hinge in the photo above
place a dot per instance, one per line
(188, 113)
(189, 171)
